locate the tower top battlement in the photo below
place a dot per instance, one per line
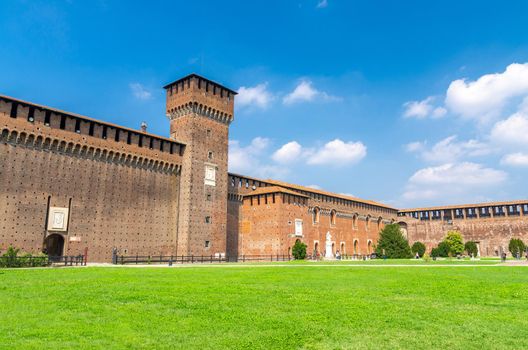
(196, 94)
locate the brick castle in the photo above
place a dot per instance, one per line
(71, 184)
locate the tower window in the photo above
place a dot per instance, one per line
(91, 131)
(210, 155)
(31, 115)
(140, 141)
(116, 137)
(14, 109)
(207, 219)
(161, 145)
(105, 129)
(129, 138)
(208, 132)
(151, 143)
(78, 126)
(63, 122)
(47, 117)
(208, 197)
(171, 149)
(207, 244)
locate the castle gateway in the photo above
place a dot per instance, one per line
(71, 184)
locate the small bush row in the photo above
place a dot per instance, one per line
(14, 258)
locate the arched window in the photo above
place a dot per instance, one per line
(367, 222)
(333, 217)
(380, 220)
(354, 221)
(315, 215)
(356, 246)
(369, 247)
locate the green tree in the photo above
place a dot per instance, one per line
(418, 247)
(299, 250)
(455, 242)
(516, 246)
(392, 244)
(441, 251)
(471, 248)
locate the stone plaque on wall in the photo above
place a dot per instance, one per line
(58, 219)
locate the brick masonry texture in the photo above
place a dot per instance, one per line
(144, 194)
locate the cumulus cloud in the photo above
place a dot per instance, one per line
(306, 92)
(253, 159)
(257, 96)
(139, 91)
(453, 182)
(486, 97)
(423, 109)
(338, 153)
(288, 152)
(449, 150)
(515, 159)
(511, 131)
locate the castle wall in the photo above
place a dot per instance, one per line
(492, 234)
(259, 226)
(118, 194)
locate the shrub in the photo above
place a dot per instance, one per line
(516, 246)
(471, 248)
(11, 258)
(441, 251)
(392, 244)
(299, 250)
(426, 257)
(418, 247)
(455, 242)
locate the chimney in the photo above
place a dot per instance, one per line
(144, 126)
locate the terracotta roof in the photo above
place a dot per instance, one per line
(461, 206)
(273, 189)
(75, 115)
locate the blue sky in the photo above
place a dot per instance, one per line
(412, 103)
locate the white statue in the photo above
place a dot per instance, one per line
(329, 254)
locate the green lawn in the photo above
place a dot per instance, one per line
(243, 307)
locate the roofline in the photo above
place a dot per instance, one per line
(315, 191)
(75, 115)
(194, 75)
(273, 189)
(460, 206)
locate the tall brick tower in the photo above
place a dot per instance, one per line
(200, 112)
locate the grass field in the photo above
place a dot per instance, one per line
(273, 307)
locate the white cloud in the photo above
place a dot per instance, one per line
(511, 131)
(251, 159)
(305, 91)
(288, 152)
(467, 174)
(515, 159)
(485, 98)
(315, 187)
(416, 146)
(449, 150)
(453, 182)
(338, 153)
(418, 109)
(257, 96)
(423, 109)
(139, 91)
(322, 4)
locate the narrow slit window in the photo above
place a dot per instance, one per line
(105, 129)
(14, 110)
(31, 115)
(91, 130)
(129, 138)
(116, 137)
(63, 122)
(47, 118)
(78, 126)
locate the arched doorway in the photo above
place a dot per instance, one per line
(54, 245)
